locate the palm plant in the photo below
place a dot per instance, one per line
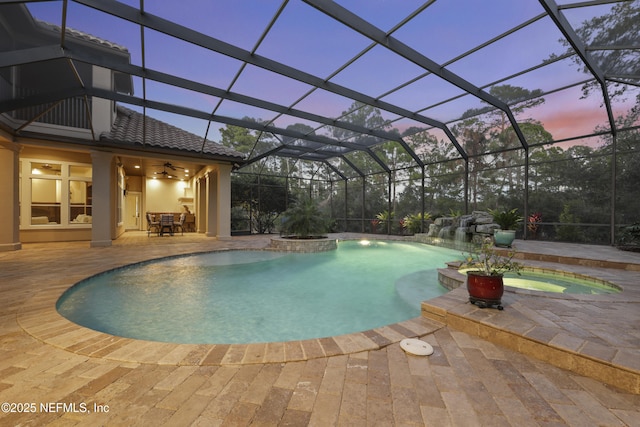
(506, 219)
(385, 219)
(304, 220)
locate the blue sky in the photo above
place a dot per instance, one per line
(310, 41)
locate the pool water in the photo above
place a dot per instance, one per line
(261, 296)
(558, 283)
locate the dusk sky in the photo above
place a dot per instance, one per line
(306, 39)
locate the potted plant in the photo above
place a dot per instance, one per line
(485, 274)
(508, 220)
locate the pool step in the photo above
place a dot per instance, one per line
(521, 328)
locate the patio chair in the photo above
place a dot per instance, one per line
(152, 224)
(190, 222)
(166, 223)
(180, 224)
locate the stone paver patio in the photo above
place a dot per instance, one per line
(489, 368)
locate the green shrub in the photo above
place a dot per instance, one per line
(304, 220)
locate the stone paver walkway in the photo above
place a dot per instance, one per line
(47, 379)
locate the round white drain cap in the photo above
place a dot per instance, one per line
(416, 346)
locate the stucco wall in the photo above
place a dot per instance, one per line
(162, 195)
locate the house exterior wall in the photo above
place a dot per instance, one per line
(64, 135)
(9, 211)
(103, 113)
(163, 195)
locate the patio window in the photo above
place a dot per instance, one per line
(45, 201)
(56, 194)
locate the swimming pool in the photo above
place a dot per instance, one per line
(260, 296)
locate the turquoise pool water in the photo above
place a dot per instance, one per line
(261, 296)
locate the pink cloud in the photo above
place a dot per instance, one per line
(570, 123)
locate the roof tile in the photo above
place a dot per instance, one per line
(129, 127)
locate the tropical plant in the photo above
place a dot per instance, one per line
(629, 238)
(455, 213)
(489, 261)
(385, 216)
(304, 220)
(413, 222)
(533, 222)
(506, 219)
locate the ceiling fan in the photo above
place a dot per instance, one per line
(164, 172)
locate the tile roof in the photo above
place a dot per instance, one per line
(128, 130)
(81, 35)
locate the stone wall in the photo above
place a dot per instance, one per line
(303, 245)
(465, 228)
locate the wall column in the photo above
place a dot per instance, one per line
(223, 205)
(217, 202)
(201, 197)
(9, 193)
(211, 199)
(102, 203)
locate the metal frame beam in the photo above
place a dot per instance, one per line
(185, 111)
(156, 23)
(56, 52)
(368, 30)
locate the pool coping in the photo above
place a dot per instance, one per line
(41, 320)
(516, 327)
(452, 279)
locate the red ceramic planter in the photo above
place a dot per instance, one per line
(485, 291)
